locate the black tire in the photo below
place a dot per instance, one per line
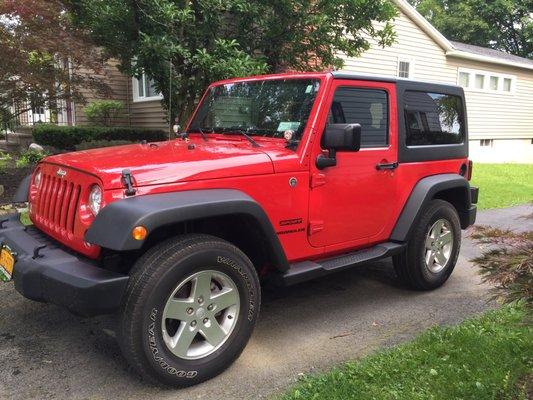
(152, 281)
(411, 266)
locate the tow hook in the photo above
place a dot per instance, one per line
(127, 180)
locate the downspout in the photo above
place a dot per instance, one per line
(129, 98)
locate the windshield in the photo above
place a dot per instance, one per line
(272, 108)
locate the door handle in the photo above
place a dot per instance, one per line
(383, 166)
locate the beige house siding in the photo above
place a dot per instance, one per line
(427, 58)
(118, 83)
(144, 114)
(504, 117)
(147, 114)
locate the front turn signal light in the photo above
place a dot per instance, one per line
(139, 233)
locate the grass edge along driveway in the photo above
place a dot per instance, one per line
(488, 357)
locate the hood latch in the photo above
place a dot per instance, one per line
(127, 180)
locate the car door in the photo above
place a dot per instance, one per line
(351, 203)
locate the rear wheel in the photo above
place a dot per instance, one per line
(432, 251)
(191, 305)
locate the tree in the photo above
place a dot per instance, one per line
(505, 25)
(185, 44)
(45, 59)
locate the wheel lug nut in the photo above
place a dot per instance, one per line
(206, 320)
(200, 299)
(193, 324)
(190, 310)
(210, 307)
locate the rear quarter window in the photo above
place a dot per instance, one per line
(433, 119)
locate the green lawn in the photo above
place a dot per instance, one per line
(503, 185)
(490, 357)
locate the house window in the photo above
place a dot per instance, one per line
(464, 79)
(494, 82)
(480, 81)
(404, 69)
(486, 142)
(484, 81)
(507, 83)
(144, 90)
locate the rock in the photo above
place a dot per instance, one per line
(36, 147)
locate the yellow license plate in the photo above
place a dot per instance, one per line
(7, 262)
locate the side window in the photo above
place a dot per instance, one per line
(368, 107)
(433, 119)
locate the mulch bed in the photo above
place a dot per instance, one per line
(10, 178)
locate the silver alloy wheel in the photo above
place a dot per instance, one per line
(200, 314)
(439, 245)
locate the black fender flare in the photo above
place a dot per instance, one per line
(423, 192)
(112, 227)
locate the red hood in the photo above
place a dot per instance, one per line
(169, 162)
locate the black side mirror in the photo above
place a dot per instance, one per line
(338, 137)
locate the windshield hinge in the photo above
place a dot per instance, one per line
(318, 180)
(127, 180)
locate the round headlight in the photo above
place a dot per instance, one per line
(95, 199)
(37, 179)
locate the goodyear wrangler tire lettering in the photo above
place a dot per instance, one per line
(157, 281)
(225, 261)
(155, 351)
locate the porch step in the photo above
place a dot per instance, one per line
(306, 270)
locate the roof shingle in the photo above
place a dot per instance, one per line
(483, 51)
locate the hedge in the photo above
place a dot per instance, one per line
(98, 144)
(67, 137)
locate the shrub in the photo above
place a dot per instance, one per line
(100, 143)
(507, 263)
(29, 157)
(67, 137)
(4, 160)
(102, 112)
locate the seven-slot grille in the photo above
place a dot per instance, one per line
(57, 203)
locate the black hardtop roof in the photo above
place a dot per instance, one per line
(382, 78)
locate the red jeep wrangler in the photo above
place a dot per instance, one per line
(282, 178)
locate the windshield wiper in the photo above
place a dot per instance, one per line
(229, 131)
(200, 130)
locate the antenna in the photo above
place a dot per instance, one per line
(170, 98)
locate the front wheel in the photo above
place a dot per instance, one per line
(432, 252)
(191, 305)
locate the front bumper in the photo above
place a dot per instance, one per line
(46, 272)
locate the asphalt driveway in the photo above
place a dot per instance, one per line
(46, 353)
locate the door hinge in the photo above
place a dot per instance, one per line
(318, 180)
(315, 227)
